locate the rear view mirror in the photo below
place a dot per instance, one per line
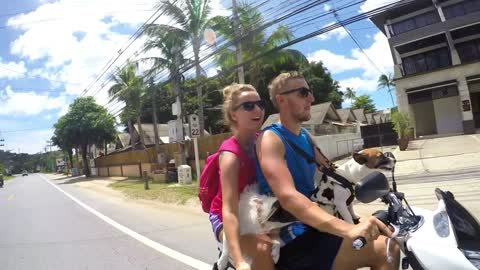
(372, 187)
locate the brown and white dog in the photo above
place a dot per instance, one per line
(335, 198)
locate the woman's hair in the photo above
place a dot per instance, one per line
(230, 99)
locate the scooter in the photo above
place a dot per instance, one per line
(444, 239)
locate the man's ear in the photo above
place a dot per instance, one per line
(359, 158)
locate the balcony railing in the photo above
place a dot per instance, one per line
(427, 61)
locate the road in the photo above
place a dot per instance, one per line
(43, 228)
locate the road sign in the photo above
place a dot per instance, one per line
(194, 126)
(175, 131)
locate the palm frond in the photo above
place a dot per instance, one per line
(174, 11)
(281, 35)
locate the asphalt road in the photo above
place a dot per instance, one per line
(42, 228)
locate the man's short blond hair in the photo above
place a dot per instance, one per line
(279, 82)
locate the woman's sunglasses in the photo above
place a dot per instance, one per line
(250, 105)
(302, 92)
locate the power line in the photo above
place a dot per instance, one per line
(36, 76)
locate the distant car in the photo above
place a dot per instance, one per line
(24, 173)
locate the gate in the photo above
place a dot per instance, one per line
(378, 135)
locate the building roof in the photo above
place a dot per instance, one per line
(370, 119)
(124, 139)
(322, 112)
(378, 117)
(360, 115)
(149, 133)
(346, 115)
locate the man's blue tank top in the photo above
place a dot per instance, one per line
(302, 172)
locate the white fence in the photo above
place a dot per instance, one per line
(338, 145)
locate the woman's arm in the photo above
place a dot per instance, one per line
(229, 170)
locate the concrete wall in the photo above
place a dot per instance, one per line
(448, 115)
(338, 145)
(425, 123)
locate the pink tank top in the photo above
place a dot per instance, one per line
(246, 177)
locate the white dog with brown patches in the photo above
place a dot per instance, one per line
(260, 214)
(334, 196)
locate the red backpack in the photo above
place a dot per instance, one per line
(210, 177)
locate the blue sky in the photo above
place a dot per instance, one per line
(50, 51)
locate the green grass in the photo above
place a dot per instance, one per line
(167, 193)
(6, 178)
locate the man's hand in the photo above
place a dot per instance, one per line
(370, 228)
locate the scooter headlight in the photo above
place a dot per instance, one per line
(473, 256)
(441, 224)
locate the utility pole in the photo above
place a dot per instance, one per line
(155, 120)
(236, 29)
(179, 98)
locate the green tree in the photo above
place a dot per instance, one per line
(350, 94)
(191, 18)
(86, 123)
(320, 81)
(59, 140)
(129, 88)
(254, 43)
(364, 102)
(386, 81)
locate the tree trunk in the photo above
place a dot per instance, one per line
(86, 169)
(390, 92)
(155, 124)
(70, 157)
(139, 122)
(130, 130)
(198, 69)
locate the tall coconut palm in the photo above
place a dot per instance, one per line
(191, 18)
(129, 88)
(254, 43)
(350, 94)
(387, 81)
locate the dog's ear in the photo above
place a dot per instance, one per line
(359, 158)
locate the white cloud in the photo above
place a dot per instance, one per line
(378, 52)
(12, 70)
(339, 33)
(326, 7)
(28, 103)
(76, 39)
(373, 4)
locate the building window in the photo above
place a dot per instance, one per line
(426, 61)
(469, 51)
(415, 22)
(462, 8)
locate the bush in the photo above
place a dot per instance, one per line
(401, 124)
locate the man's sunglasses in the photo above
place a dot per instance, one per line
(250, 105)
(302, 92)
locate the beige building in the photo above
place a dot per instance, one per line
(435, 45)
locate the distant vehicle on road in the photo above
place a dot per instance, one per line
(24, 173)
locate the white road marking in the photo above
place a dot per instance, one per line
(197, 264)
(475, 137)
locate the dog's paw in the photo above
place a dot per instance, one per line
(276, 252)
(242, 266)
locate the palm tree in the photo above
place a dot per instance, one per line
(387, 81)
(129, 88)
(350, 94)
(257, 43)
(191, 18)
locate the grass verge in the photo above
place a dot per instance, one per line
(6, 178)
(167, 193)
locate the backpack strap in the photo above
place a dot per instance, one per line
(328, 171)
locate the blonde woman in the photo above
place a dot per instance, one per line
(244, 112)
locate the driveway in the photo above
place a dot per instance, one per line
(439, 155)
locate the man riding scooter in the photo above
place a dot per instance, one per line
(319, 241)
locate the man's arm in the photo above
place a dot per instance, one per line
(271, 152)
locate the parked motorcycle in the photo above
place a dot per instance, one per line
(444, 239)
